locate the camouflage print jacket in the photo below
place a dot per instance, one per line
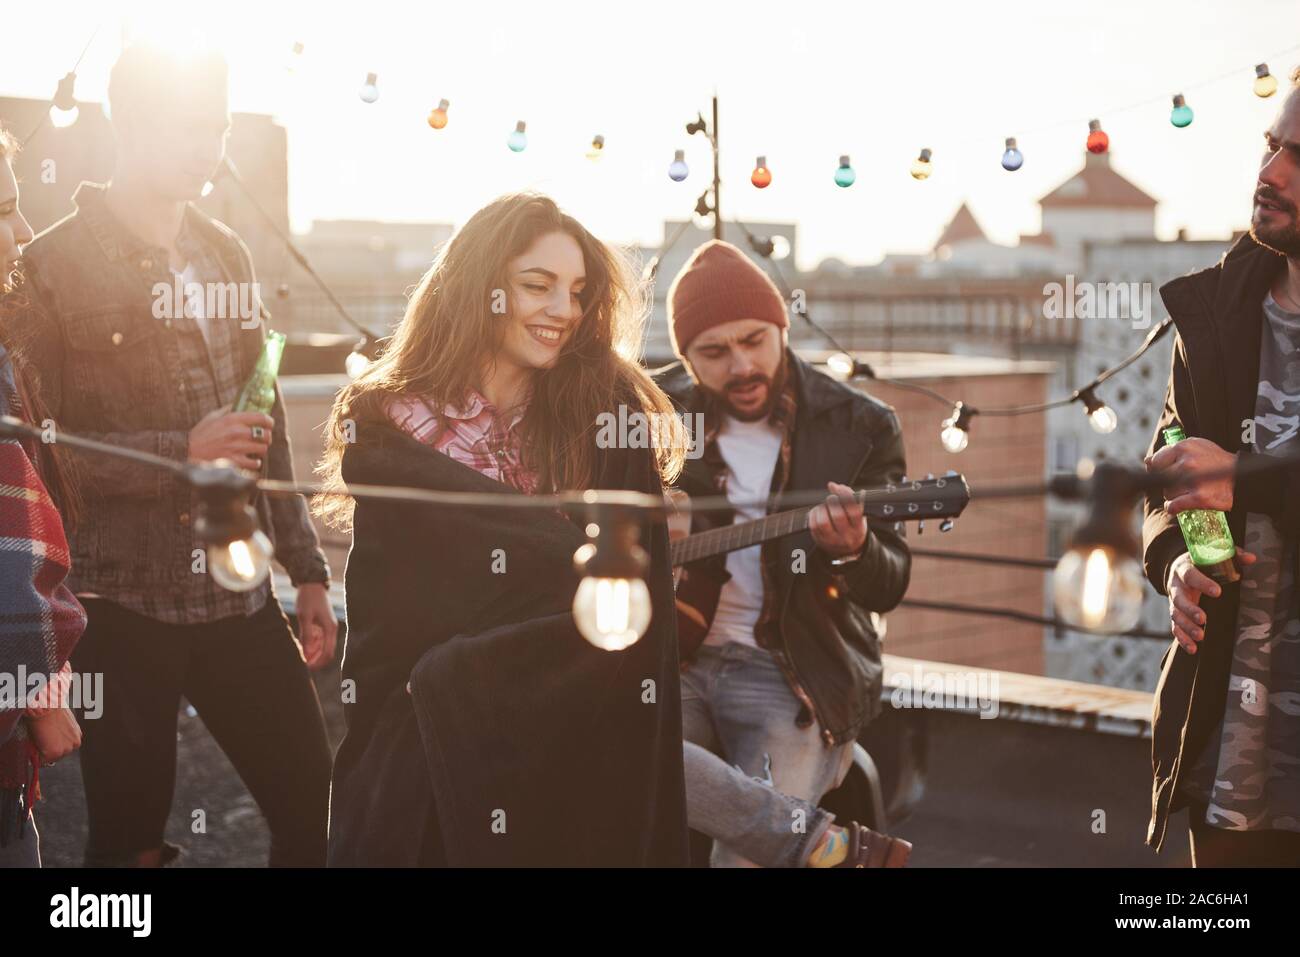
(1219, 315)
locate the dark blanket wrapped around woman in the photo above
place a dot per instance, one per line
(520, 743)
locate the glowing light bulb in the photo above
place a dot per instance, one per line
(922, 167)
(677, 170)
(243, 564)
(208, 187)
(955, 435)
(841, 366)
(1096, 588)
(355, 364)
(1101, 417)
(1098, 141)
(1182, 114)
(1012, 159)
(1103, 420)
(1265, 82)
(844, 175)
(953, 438)
(370, 89)
(438, 115)
(518, 139)
(293, 58)
(612, 613)
(62, 119)
(762, 176)
(597, 147)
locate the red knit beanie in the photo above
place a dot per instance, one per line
(718, 284)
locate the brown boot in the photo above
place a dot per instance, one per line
(868, 848)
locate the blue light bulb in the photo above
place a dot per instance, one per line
(1012, 159)
(844, 176)
(518, 139)
(678, 170)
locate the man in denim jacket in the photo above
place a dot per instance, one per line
(144, 323)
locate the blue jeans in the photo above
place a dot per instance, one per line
(753, 777)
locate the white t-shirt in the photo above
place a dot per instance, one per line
(750, 450)
(195, 307)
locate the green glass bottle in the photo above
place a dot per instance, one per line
(1206, 532)
(258, 394)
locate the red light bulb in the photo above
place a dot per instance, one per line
(1098, 141)
(762, 176)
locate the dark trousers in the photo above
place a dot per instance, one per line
(1216, 847)
(247, 679)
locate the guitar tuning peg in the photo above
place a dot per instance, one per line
(929, 476)
(945, 525)
(920, 526)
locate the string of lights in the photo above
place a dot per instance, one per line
(1097, 585)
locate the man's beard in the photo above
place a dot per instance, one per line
(1283, 239)
(774, 387)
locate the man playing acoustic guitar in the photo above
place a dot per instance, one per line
(780, 652)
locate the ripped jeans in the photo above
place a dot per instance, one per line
(753, 777)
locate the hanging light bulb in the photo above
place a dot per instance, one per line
(677, 170)
(238, 552)
(612, 605)
(1012, 159)
(370, 89)
(1101, 417)
(208, 187)
(365, 352)
(841, 366)
(438, 115)
(1098, 584)
(762, 176)
(1265, 82)
(597, 147)
(1098, 141)
(1182, 114)
(293, 58)
(844, 175)
(243, 564)
(955, 434)
(63, 108)
(922, 168)
(518, 139)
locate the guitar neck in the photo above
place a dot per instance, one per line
(730, 538)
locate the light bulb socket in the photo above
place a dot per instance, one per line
(961, 416)
(519, 127)
(760, 163)
(925, 155)
(64, 97)
(1011, 142)
(1179, 101)
(844, 161)
(1090, 401)
(1111, 494)
(598, 142)
(1094, 126)
(1261, 70)
(697, 125)
(615, 552)
(224, 514)
(443, 104)
(371, 79)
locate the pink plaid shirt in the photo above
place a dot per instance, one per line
(476, 435)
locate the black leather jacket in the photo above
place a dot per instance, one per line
(829, 645)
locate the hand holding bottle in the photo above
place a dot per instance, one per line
(1186, 584)
(1196, 457)
(242, 437)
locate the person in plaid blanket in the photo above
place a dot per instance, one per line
(40, 619)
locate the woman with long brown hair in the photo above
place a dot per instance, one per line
(482, 727)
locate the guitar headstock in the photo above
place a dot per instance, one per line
(944, 497)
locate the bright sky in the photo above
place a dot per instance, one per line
(800, 82)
